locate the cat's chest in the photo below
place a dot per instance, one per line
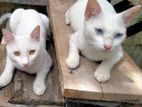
(30, 69)
(95, 55)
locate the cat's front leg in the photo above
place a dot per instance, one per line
(73, 58)
(103, 71)
(7, 74)
(39, 86)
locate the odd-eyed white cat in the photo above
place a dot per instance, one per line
(98, 35)
(25, 45)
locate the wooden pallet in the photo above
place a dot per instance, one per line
(125, 84)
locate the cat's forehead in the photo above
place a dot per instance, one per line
(23, 42)
(110, 22)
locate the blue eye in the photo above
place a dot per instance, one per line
(99, 31)
(118, 35)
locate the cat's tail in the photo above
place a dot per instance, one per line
(4, 17)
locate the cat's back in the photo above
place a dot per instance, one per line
(29, 20)
(15, 19)
(24, 21)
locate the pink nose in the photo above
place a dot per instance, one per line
(25, 65)
(107, 47)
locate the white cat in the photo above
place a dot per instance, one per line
(99, 36)
(25, 45)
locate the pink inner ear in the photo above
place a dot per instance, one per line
(128, 15)
(8, 37)
(36, 33)
(92, 8)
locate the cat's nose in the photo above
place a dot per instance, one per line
(26, 64)
(107, 47)
(25, 61)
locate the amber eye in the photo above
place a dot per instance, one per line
(16, 53)
(31, 52)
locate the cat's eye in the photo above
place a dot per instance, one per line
(99, 31)
(31, 52)
(16, 53)
(118, 35)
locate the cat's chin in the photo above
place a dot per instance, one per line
(106, 50)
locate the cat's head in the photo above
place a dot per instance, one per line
(22, 49)
(105, 31)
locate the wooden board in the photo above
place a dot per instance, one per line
(125, 83)
(20, 90)
(5, 93)
(29, 2)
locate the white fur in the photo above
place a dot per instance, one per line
(22, 23)
(89, 43)
(4, 17)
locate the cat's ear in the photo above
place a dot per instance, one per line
(36, 33)
(128, 14)
(8, 36)
(93, 8)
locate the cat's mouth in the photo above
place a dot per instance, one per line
(106, 50)
(26, 65)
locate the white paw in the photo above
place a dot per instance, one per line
(67, 21)
(102, 75)
(39, 88)
(4, 82)
(72, 61)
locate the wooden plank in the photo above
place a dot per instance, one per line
(125, 83)
(5, 93)
(72, 85)
(136, 2)
(20, 90)
(29, 2)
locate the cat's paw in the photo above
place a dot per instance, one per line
(67, 21)
(72, 62)
(102, 75)
(39, 88)
(4, 82)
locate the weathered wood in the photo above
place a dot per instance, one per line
(20, 90)
(72, 84)
(5, 93)
(124, 84)
(136, 2)
(29, 2)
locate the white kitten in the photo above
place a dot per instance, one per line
(99, 36)
(25, 46)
